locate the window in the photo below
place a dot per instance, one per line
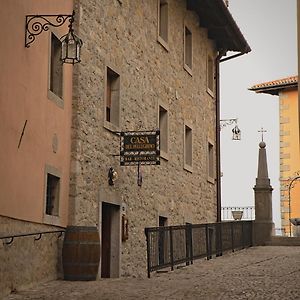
(188, 148)
(163, 22)
(56, 67)
(52, 194)
(210, 75)
(188, 47)
(210, 162)
(163, 127)
(112, 98)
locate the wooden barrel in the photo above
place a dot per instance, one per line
(81, 253)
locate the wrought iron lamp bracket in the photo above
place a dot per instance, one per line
(226, 122)
(36, 24)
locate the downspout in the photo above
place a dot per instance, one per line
(218, 149)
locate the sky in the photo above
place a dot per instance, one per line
(269, 26)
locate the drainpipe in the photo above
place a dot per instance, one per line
(218, 150)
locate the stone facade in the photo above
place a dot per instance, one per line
(123, 36)
(25, 261)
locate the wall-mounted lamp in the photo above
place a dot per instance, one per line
(112, 176)
(236, 132)
(71, 43)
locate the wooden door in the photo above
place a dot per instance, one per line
(106, 240)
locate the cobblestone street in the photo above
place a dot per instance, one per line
(254, 273)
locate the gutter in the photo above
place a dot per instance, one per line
(233, 56)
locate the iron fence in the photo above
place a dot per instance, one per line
(248, 212)
(281, 232)
(174, 245)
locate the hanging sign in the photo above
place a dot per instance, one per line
(139, 148)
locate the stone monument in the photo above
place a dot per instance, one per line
(263, 224)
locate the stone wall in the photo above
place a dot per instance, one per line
(25, 261)
(123, 35)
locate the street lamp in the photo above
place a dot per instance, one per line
(236, 132)
(70, 43)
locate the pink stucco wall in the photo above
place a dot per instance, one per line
(23, 96)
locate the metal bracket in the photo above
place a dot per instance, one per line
(9, 242)
(39, 237)
(36, 24)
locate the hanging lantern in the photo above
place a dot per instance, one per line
(236, 133)
(112, 176)
(70, 46)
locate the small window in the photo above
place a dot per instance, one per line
(210, 75)
(112, 98)
(52, 195)
(56, 67)
(163, 21)
(188, 47)
(188, 148)
(210, 162)
(163, 127)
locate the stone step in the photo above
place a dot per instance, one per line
(283, 241)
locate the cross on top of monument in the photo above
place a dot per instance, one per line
(262, 133)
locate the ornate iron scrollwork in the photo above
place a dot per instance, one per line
(36, 24)
(226, 122)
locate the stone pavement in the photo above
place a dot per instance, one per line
(270, 272)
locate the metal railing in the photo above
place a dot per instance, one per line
(281, 232)
(7, 240)
(174, 245)
(248, 212)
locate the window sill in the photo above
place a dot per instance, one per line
(188, 69)
(57, 100)
(161, 41)
(111, 127)
(188, 168)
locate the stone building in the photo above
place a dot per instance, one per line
(145, 65)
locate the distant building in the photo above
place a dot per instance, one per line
(287, 90)
(298, 38)
(146, 65)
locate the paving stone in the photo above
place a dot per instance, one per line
(254, 273)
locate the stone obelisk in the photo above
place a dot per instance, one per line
(263, 224)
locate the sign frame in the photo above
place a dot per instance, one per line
(140, 148)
